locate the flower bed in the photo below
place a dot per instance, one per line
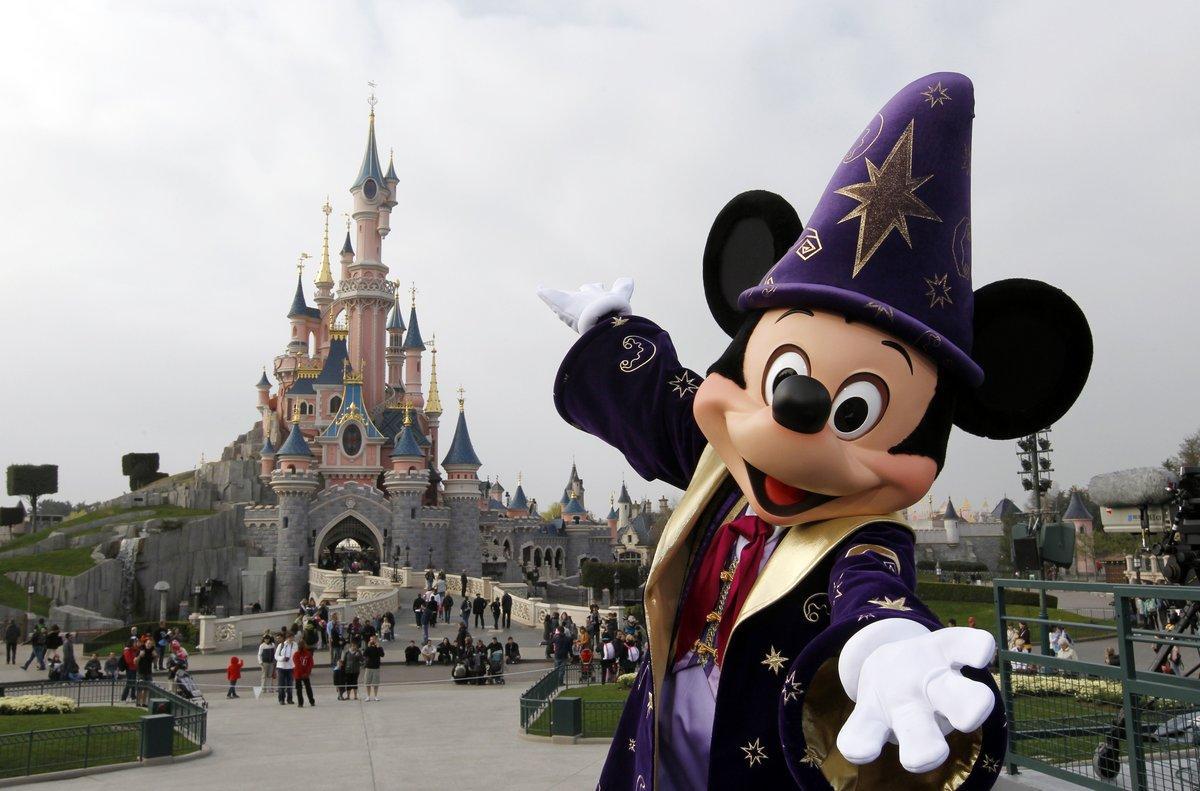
(37, 704)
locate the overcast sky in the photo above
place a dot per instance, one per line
(162, 166)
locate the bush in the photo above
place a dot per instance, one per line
(625, 680)
(948, 591)
(37, 704)
(1089, 690)
(951, 565)
(599, 576)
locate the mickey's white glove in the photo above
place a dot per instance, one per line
(907, 688)
(581, 309)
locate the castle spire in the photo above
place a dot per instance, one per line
(433, 405)
(370, 165)
(324, 275)
(462, 451)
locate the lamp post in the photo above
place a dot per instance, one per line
(28, 607)
(429, 563)
(345, 574)
(616, 584)
(396, 564)
(1137, 567)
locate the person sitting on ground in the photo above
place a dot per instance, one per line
(428, 653)
(1065, 651)
(92, 670)
(112, 667)
(412, 654)
(1111, 658)
(512, 651)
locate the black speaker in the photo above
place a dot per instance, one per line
(1025, 554)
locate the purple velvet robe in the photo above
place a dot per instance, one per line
(623, 383)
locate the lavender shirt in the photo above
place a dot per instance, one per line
(687, 705)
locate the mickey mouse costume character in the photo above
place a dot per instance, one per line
(788, 647)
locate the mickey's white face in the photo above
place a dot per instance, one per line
(825, 399)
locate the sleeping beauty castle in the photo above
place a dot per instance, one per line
(352, 449)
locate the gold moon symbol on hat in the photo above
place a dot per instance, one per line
(960, 247)
(866, 139)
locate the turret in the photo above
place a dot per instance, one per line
(414, 346)
(264, 389)
(294, 455)
(300, 315)
(573, 512)
(266, 459)
(624, 506)
(294, 482)
(395, 343)
(612, 520)
(462, 494)
(519, 504)
(407, 456)
(346, 256)
(324, 281)
(950, 520)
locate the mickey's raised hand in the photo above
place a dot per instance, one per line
(581, 309)
(908, 689)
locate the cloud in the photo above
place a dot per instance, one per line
(165, 165)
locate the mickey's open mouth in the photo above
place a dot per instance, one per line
(780, 498)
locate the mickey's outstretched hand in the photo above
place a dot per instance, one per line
(581, 309)
(907, 688)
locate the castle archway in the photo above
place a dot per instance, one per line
(350, 538)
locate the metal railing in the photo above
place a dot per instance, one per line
(600, 717)
(537, 698)
(51, 750)
(1098, 725)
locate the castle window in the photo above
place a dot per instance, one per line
(335, 403)
(352, 440)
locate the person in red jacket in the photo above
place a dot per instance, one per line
(302, 669)
(233, 673)
(129, 665)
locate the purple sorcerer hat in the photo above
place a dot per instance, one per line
(889, 243)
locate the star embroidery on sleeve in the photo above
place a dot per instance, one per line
(890, 604)
(792, 689)
(812, 757)
(617, 321)
(684, 385)
(990, 764)
(837, 588)
(866, 616)
(755, 752)
(774, 660)
(881, 310)
(632, 745)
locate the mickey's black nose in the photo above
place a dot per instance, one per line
(801, 403)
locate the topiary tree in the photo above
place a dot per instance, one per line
(32, 481)
(12, 516)
(142, 469)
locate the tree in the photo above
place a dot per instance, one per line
(142, 469)
(12, 516)
(32, 481)
(1188, 454)
(598, 576)
(552, 513)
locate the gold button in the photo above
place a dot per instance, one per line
(713, 617)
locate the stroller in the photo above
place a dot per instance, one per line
(495, 667)
(459, 673)
(185, 686)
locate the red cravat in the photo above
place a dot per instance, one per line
(706, 588)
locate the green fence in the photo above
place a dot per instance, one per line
(1106, 726)
(80, 747)
(600, 717)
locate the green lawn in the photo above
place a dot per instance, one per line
(86, 715)
(599, 720)
(985, 617)
(138, 513)
(67, 562)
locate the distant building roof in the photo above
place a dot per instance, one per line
(950, 513)
(1076, 509)
(295, 444)
(461, 449)
(267, 449)
(395, 323)
(352, 408)
(331, 371)
(299, 305)
(407, 445)
(1005, 508)
(574, 508)
(612, 514)
(519, 501)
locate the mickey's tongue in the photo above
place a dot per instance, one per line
(782, 493)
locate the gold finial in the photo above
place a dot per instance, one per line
(300, 264)
(371, 100)
(296, 412)
(461, 399)
(433, 404)
(413, 293)
(324, 276)
(407, 412)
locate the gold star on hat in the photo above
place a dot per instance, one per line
(774, 660)
(939, 290)
(935, 95)
(890, 604)
(886, 200)
(755, 752)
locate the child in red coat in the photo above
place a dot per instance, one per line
(233, 673)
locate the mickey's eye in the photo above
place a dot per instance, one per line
(858, 407)
(786, 361)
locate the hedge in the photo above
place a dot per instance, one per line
(948, 591)
(32, 480)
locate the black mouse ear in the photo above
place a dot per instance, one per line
(1035, 347)
(751, 233)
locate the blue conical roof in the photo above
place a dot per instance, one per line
(299, 306)
(612, 514)
(950, 512)
(295, 444)
(413, 339)
(264, 381)
(1005, 508)
(391, 174)
(461, 449)
(267, 449)
(370, 165)
(574, 508)
(1076, 509)
(347, 248)
(331, 371)
(394, 320)
(407, 445)
(624, 498)
(519, 501)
